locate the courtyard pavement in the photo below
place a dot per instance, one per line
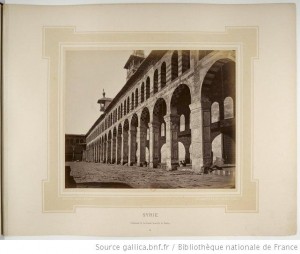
(143, 177)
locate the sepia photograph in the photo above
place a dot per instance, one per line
(121, 124)
(158, 119)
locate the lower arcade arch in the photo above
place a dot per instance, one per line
(105, 147)
(125, 148)
(119, 144)
(181, 153)
(180, 126)
(114, 145)
(157, 131)
(218, 114)
(109, 145)
(132, 159)
(143, 142)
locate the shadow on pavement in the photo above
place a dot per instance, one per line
(70, 182)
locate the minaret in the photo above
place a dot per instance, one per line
(104, 102)
(133, 62)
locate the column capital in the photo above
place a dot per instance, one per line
(196, 105)
(142, 128)
(171, 118)
(154, 124)
(132, 128)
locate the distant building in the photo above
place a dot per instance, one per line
(176, 106)
(75, 146)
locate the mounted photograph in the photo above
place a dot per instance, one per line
(162, 119)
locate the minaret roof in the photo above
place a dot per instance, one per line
(103, 99)
(131, 58)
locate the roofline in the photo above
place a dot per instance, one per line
(131, 58)
(135, 76)
(95, 123)
(83, 135)
(104, 99)
(153, 54)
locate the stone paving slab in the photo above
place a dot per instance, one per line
(142, 177)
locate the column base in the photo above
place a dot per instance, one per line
(197, 165)
(153, 164)
(140, 164)
(172, 166)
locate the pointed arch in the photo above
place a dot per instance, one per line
(174, 65)
(132, 101)
(155, 82)
(142, 92)
(125, 108)
(128, 104)
(185, 60)
(121, 111)
(136, 97)
(147, 88)
(163, 75)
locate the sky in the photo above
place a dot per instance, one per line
(87, 74)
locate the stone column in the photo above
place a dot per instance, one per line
(101, 152)
(114, 148)
(132, 146)
(196, 118)
(124, 156)
(105, 152)
(154, 139)
(119, 149)
(91, 153)
(96, 150)
(172, 123)
(111, 150)
(179, 62)
(94, 153)
(100, 149)
(108, 158)
(206, 139)
(116, 151)
(141, 140)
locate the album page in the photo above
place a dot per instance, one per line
(150, 120)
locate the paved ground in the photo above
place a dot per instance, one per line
(116, 176)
